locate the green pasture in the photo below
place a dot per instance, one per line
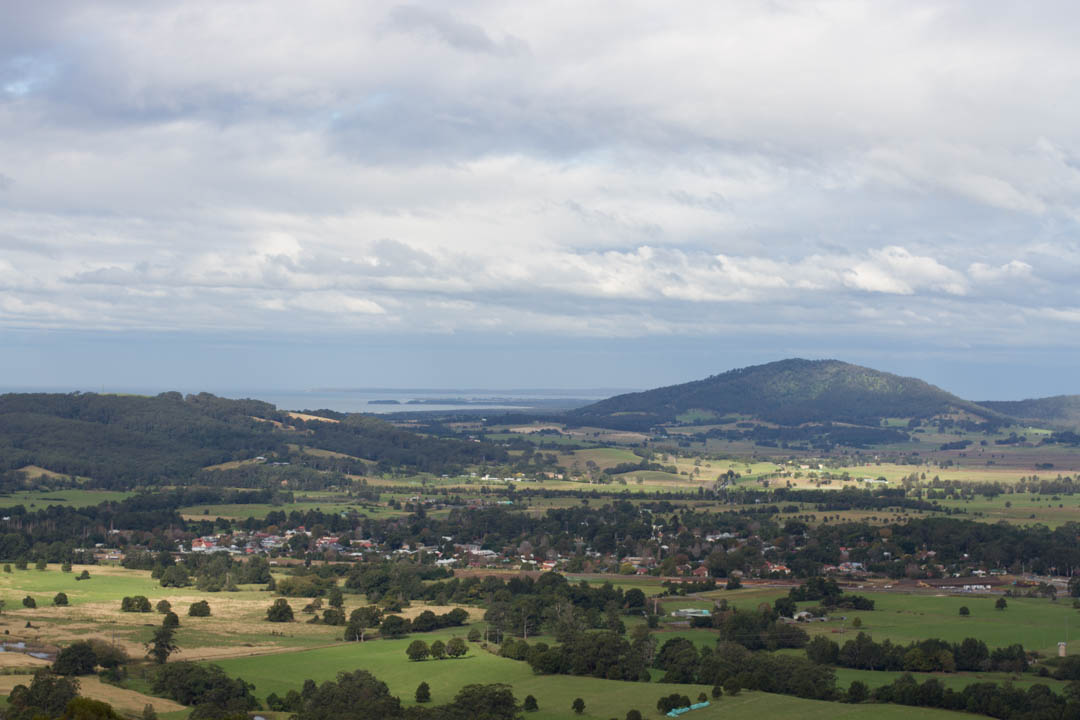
(261, 510)
(546, 440)
(603, 457)
(386, 659)
(647, 584)
(68, 498)
(956, 681)
(1036, 623)
(696, 416)
(104, 585)
(1021, 508)
(652, 480)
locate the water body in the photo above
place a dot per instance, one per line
(383, 400)
(398, 400)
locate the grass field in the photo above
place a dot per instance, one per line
(1037, 624)
(1021, 508)
(68, 498)
(956, 681)
(603, 698)
(104, 585)
(277, 658)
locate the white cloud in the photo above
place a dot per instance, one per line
(606, 168)
(1012, 270)
(895, 270)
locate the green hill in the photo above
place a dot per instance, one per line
(787, 392)
(120, 441)
(1058, 410)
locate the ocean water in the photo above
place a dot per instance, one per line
(381, 400)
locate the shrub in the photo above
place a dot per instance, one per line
(29, 602)
(672, 701)
(964, 611)
(418, 650)
(530, 704)
(76, 659)
(200, 608)
(108, 655)
(213, 693)
(138, 603)
(175, 576)
(857, 692)
(394, 626)
(578, 706)
(280, 611)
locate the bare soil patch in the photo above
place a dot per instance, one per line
(307, 418)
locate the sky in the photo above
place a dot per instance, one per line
(223, 194)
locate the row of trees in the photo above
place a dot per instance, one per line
(438, 650)
(931, 655)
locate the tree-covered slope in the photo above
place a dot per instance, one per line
(788, 392)
(1057, 410)
(123, 440)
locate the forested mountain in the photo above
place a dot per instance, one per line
(1058, 410)
(120, 441)
(787, 392)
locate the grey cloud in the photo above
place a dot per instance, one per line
(457, 34)
(617, 171)
(11, 243)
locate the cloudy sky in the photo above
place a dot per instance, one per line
(545, 194)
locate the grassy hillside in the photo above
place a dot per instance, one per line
(1057, 410)
(788, 392)
(279, 673)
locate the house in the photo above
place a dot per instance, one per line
(203, 544)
